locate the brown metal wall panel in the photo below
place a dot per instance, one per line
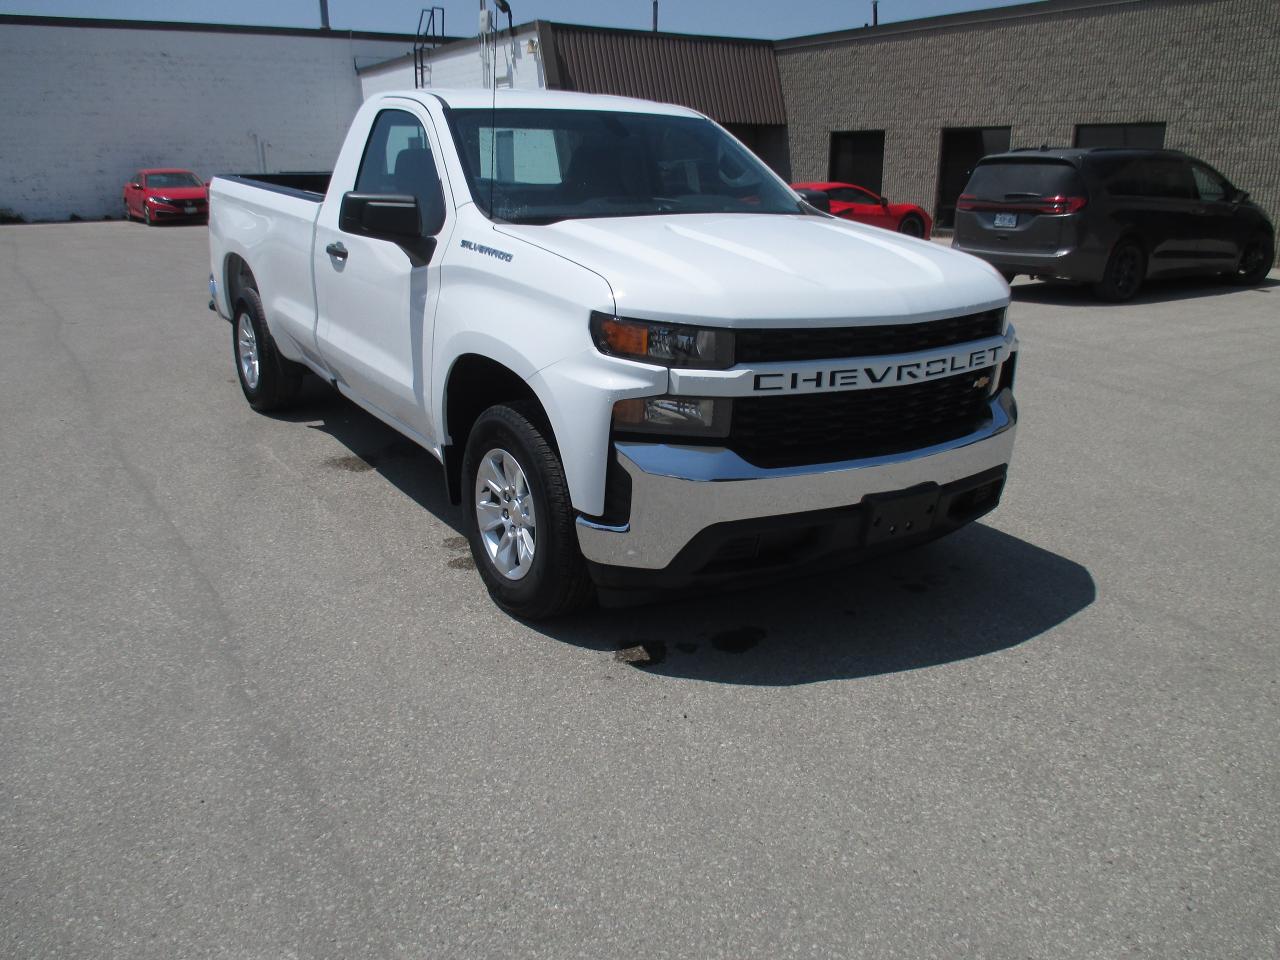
(732, 81)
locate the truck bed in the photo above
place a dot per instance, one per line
(305, 186)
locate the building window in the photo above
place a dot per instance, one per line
(1149, 136)
(857, 156)
(962, 148)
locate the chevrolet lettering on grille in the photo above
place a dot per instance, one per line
(857, 373)
(877, 374)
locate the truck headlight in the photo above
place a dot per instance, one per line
(674, 416)
(666, 344)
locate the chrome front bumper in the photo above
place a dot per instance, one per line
(677, 491)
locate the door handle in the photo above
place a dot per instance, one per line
(337, 251)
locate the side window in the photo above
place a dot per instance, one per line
(1122, 177)
(1169, 179)
(1209, 184)
(846, 195)
(397, 160)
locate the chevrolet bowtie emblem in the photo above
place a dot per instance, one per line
(981, 382)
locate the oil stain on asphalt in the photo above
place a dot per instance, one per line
(737, 640)
(653, 652)
(351, 464)
(648, 654)
(357, 463)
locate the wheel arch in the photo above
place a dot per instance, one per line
(237, 277)
(474, 383)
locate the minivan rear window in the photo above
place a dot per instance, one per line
(1016, 178)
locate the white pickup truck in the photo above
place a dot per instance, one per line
(644, 361)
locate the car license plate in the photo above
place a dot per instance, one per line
(188, 209)
(1006, 219)
(897, 515)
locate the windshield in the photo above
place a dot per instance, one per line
(173, 180)
(540, 166)
(1010, 179)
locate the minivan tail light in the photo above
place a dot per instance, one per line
(1064, 204)
(1059, 204)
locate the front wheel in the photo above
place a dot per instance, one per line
(519, 519)
(1255, 261)
(911, 226)
(1126, 269)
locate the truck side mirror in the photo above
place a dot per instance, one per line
(816, 198)
(384, 216)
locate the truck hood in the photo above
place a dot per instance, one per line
(769, 270)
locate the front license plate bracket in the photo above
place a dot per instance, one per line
(895, 516)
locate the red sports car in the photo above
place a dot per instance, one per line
(861, 205)
(154, 195)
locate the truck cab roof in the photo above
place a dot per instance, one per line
(474, 99)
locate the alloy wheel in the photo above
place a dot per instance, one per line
(247, 349)
(505, 514)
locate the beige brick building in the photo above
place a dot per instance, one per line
(1207, 70)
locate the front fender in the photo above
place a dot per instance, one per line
(578, 394)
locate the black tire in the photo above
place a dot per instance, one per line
(146, 214)
(911, 226)
(278, 379)
(1255, 261)
(556, 581)
(127, 215)
(1126, 269)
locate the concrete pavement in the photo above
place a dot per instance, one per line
(254, 705)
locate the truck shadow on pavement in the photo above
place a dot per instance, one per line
(374, 446)
(1154, 291)
(975, 592)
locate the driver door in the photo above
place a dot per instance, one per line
(133, 195)
(376, 308)
(1221, 238)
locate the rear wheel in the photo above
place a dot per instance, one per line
(520, 521)
(268, 380)
(1255, 261)
(1126, 269)
(911, 226)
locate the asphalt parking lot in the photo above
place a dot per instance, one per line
(254, 701)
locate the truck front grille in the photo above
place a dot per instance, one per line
(773, 346)
(826, 427)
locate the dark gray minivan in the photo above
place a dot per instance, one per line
(1111, 217)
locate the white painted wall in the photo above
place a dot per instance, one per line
(460, 65)
(82, 108)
